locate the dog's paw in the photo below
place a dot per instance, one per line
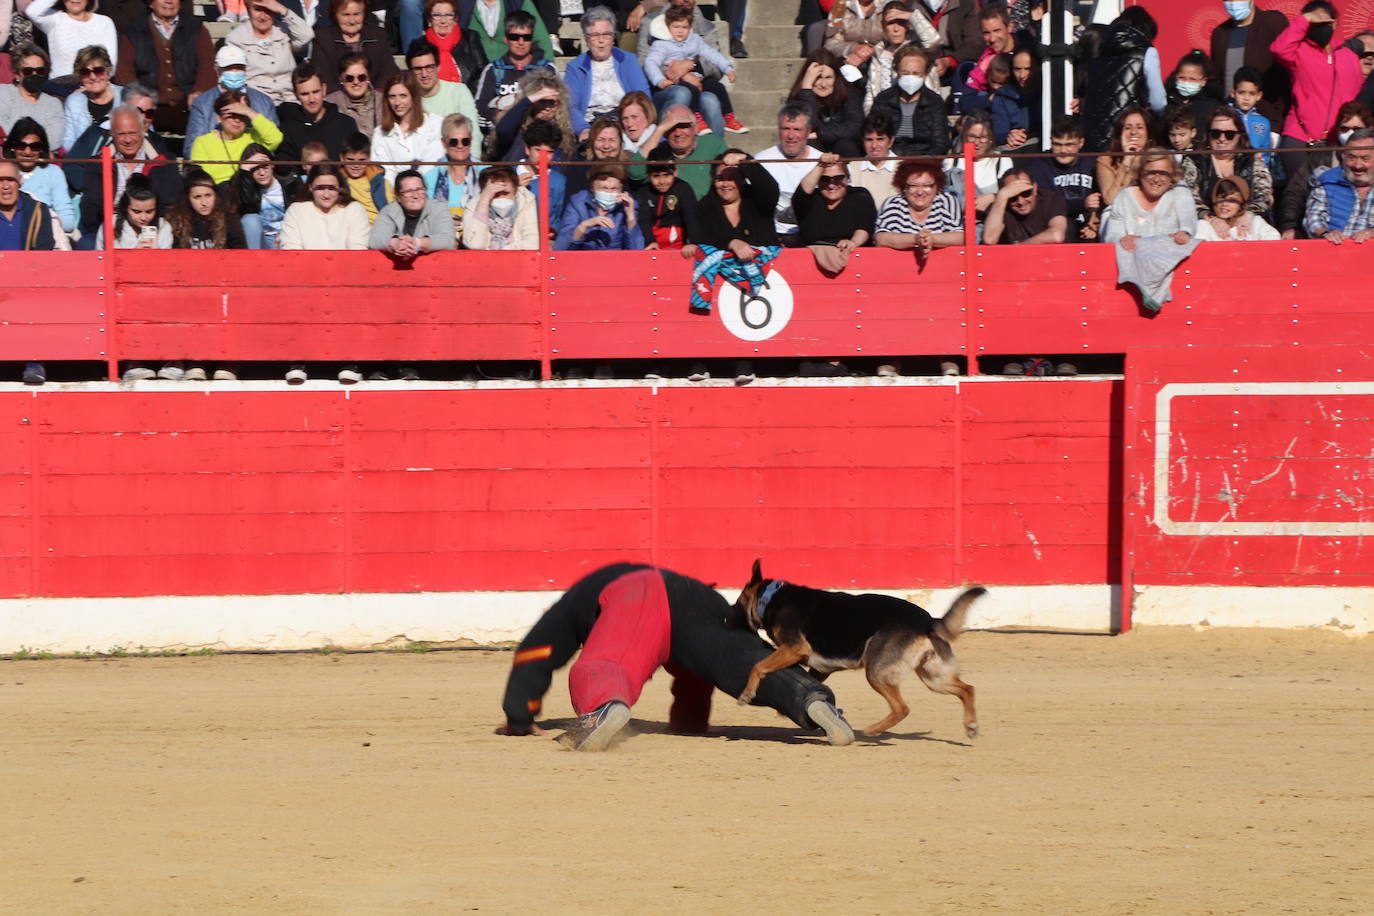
(971, 729)
(746, 698)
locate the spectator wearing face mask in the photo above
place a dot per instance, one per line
(26, 98)
(505, 217)
(1292, 205)
(1191, 86)
(1324, 78)
(1242, 40)
(232, 65)
(601, 217)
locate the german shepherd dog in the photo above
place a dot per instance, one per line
(831, 631)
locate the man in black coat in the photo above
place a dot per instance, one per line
(1245, 42)
(309, 118)
(126, 130)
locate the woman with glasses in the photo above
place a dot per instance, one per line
(455, 185)
(923, 216)
(833, 219)
(461, 57)
(357, 98)
(976, 128)
(1157, 205)
(602, 75)
(351, 31)
(406, 133)
(330, 220)
(70, 26)
(93, 102)
(1230, 158)
(258, 199)
(239, 126)
(27, 145)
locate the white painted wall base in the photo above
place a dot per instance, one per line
(286, 622)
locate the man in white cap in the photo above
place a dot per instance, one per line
(232, 65)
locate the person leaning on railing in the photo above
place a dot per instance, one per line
(601, 217)
(1157, 205)
(505, 217)
(1292, 206)
(923, 216)
(1341, 205)
(414, 224)
(833, 219)
(735, 231)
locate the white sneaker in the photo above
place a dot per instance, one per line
(296, 375)
(888, 371)
(193, 374)
(349, 375)
(699, 373)
(949, 368)
(171, 373)
(409, 374)
(744, 373)
(139, 374)
(224, 375)
(837, 731)
(600, 725)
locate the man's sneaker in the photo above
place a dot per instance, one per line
(837, 730)
(949, 368)
(1014, 369)
(698, 373)
(887, 370)
(349, 375)
(296, 375)
(377, 376)
(34, 374)
(171, 372)
(602, 724)
(732, 124)
(408, 374)
(139, 374)
(1066, 369)
(193, 374)
(744, 372)
(702, 126)
(737, 48)
(223, 375)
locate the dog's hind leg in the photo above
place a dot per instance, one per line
(939, 671)
(886, 664)
(897, 708)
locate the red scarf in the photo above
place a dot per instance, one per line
(448, 67)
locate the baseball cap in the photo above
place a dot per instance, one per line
(230, 56)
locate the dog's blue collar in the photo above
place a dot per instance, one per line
(762, 605)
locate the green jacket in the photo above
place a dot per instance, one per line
(709, 146)
(495, 45)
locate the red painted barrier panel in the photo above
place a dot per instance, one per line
(257, 492)
(1253, 470)
(592, 305)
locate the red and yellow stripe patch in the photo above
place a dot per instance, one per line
(535, 705)
(534, 654)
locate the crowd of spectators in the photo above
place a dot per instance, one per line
(302, 130)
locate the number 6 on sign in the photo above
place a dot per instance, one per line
(757, 317)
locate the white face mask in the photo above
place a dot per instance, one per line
(606, 199)
(1237, 9)
(1343, 137)
(502, 206)
(909, 85)
(1187, 89)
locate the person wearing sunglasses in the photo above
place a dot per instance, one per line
(833, 219)
(499, 87)
(97, 97)
(330, 220)
(351, 30)
(27, 145)
(70, 26)
(439, 97)
(170, 50)
(491, 20)
(456, 183)
(1230, 157)
(1024, 214)
(26, 98)
(357, 98)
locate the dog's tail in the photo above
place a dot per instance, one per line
(951, 625)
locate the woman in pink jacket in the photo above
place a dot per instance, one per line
(1325, 77)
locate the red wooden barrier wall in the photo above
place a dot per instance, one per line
(589, 305)
(182, 493)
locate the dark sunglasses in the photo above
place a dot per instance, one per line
(1365, 55)
(519, 36)
(91, 71)
(34, 71)
(1024, 195)
(355, 78)
(1216, 133)
(459, 141)
(29, 147)
(831, 181)
(147, 112)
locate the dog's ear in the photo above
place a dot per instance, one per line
(757, 574)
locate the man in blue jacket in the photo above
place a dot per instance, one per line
(603, 74)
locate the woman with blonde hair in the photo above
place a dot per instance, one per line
(455, 185)
(1155, 222)
(406, 133)
(640, 131)
(543, 97)
(93, 102)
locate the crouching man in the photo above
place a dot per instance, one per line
(629, 619)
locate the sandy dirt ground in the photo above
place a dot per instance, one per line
(1166, 771)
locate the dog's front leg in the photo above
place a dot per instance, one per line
(781, 657)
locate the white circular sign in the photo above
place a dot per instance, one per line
(756, 317)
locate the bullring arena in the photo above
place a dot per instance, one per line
(1168, 770)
